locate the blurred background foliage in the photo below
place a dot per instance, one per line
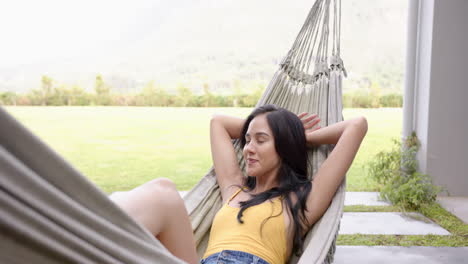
(188, 53)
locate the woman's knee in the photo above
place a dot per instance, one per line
(164, 192)
(159, 187)
(162, 183)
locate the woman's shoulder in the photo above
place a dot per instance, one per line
(230, 192)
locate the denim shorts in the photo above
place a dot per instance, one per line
(232, 257)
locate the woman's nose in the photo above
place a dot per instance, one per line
(249, 147)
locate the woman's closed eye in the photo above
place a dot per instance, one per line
(258, 141)
(259, 138)
(262, 139)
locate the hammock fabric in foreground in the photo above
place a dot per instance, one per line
(50, 213)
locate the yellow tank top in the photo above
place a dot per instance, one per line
(269, 243)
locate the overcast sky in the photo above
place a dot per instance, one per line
(34, 30)
(148, 39)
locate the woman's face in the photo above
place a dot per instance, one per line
(259, 150)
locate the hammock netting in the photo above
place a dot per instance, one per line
(50, 213)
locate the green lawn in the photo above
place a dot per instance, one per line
(119, 148)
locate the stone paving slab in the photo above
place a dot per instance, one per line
(364, 198)
(455, 205)
(389, 224)
(400, 255)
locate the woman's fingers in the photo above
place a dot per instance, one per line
(315, 128)
(310, 121)
(311, 124)
(301, 115)
(310, 118)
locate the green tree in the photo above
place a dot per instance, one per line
(164, 98)
(207, 98)
(47, 86)
(375, 94)
(154, 95)
(148, 95)
(8, 98)
(78, 96)
(251, 99)
(184, 96)
(59, 96)
(35, 97)
(237, 86)
(102, 91)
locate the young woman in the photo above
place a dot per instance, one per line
(264, 216)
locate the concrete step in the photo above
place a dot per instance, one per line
(389, 224)
(400, 255)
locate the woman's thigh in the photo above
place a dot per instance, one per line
(158, 206)
(150, 203)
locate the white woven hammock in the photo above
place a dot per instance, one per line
(309, 80)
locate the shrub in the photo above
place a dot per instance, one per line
(359, 99)
(362, 100)
(8, 98)
(391, 100)
(396, 172)
(372, 99)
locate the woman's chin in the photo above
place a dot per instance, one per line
(251, 173)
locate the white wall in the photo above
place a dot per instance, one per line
(447, 131)
(436, 92)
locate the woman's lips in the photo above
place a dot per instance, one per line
(251, 161)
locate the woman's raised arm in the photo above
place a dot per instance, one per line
(347, 137)
(222, 130)
(331, 134)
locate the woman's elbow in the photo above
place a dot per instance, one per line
(215, 118)
(361, 124)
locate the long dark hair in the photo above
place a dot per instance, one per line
(290, 144)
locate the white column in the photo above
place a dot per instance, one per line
(418, 74)
(410, 71)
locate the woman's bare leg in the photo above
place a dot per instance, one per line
(158, 206)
